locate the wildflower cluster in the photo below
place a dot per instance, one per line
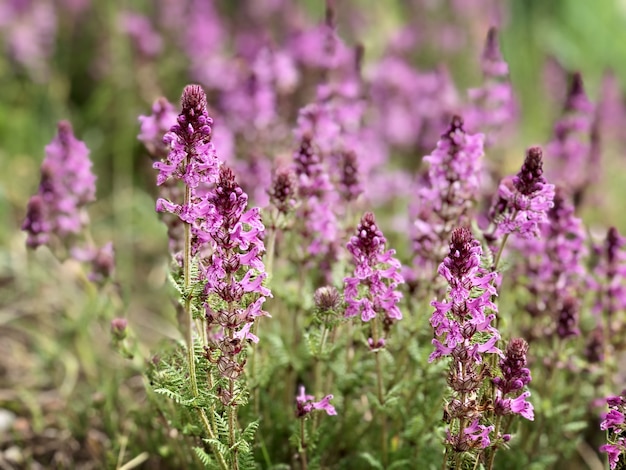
(493, 105)
(554, 267)
(67, 186)
(57, 216)
(614, 423)
(569, 151)
(464, 332)
(522, 202)
(312, 132)
(372, 291)
(446, 197)
(515, 376)
(234, 274)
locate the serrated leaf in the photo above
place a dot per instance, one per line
(250, 431)
(174, 396)
(204, 458)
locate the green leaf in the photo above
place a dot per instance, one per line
(205, 458)
(575, 426)
(371, 460)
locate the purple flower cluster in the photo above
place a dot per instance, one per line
(569, 150)
(410, 106)
(305, 404)
(464, 332)
(188, 155)
(610, 284)
(28, 29)
(101, 260)
(192, 157)
(234, 272)
(372, 290)
(67, 185)
(523, 202)
(515, 376)
(284, 191)
(554, 267)
(446, 197)
(493, 105)
(318, 198)
(614, 423)
(155, 126)
(148, 42)
(470, 287)
(226, 236)
(349, 184)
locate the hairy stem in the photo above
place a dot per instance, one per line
(188, 313)
(302, 450)
(492, 457)
(380, 391)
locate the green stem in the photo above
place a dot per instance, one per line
(188, 313)
(380, 391)
(302, 450)
(212, 435)
(317, 374)
(492, 457)
(189, 334)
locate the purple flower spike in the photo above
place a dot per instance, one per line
(614, 422)
(466, 313)
(372, 290)
(446, 197)
(493, 105)
(154, 127)
(515, 376)
(610, 285)
(192, 157)
(522, 204)
(67, 185)
(555, 272)
(349, 184)
(568, 153)
(283, 192)
(234, 271)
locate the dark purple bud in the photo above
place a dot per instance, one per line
(284, 189)
(349, 184)
(567, 323)
(491, 52)
(368, 240)
(594, 349)
(576, 93)
(529, 179)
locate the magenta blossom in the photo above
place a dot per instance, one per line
(67, 185)
(523, 202)
(469, 309)
(614, 423)
(305, 404)
(372, 290)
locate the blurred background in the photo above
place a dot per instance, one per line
(102, 63)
